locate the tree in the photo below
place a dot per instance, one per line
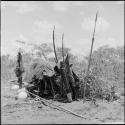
(43, 50)
(66, 51)
(108, 62)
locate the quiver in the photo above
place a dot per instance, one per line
(19, 71)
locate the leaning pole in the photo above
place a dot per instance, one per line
(89, 61)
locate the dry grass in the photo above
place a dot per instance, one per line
(30, 112)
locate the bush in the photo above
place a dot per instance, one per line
(107, 66)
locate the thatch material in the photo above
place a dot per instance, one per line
(36, 68)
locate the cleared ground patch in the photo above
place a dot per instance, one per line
(34, 112)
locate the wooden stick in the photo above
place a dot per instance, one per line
(57, 106)
(62, 47)
(89, 61)
(63, 58)
(56, 59)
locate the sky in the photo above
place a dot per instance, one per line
(33, 22)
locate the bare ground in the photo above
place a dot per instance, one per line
(34, 112)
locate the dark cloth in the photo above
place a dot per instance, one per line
(57, 70)
(20, 81)
(74, 84)
(56, 82)
(34, 81)
(19, 69)
(75, 77)
(19, 63)
(19, 57)
(64, 77)
(33, 85)
(45, 88)
(70, 79)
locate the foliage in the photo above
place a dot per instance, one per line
(7, 65)
(42, 50)
(107, 65)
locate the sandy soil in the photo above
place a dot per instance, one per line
(34, 112)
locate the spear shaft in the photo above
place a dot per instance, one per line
(52, 105)
(56, 60)
(89, 61)
(62, 47)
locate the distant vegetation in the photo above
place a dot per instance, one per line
(107, 63)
